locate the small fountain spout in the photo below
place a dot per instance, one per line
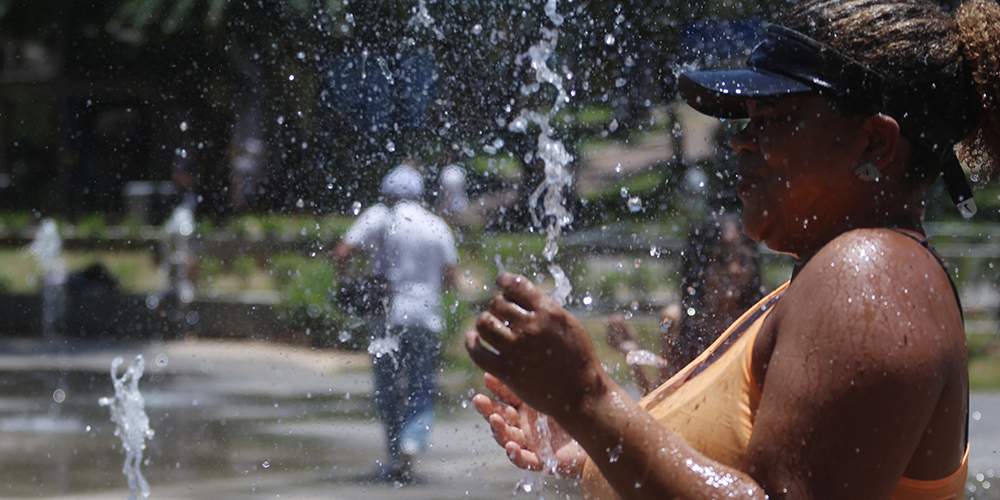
(179, 267)
(128, 412)
(46, 248)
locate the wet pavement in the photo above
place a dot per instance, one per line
(245, 419)
(232, 419)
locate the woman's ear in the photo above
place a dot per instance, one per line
(883, 140)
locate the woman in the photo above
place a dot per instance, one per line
(720, 280)
(850, 381)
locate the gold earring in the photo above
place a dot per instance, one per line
(867, 172)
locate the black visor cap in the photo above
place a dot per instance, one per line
(724, 93)
(784, 63)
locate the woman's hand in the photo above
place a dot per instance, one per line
(536, 348)
(529, 443)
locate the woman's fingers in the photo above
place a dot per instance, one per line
(494, 331)
(486, 357)
(498, 416)
(504, 432)
(520, 290)
(522, 457)
(502, 392)
(514, 316)
(486, 406)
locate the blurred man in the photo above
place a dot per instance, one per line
(414, 251)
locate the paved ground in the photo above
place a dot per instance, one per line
(241, 420)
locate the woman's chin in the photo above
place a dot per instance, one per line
(755, 226)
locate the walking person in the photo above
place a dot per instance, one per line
(414, 252)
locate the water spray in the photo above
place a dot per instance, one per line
(128, 412)
(548, 201)
(46, 248)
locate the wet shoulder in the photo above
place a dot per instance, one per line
(876, 258)
(873, 285)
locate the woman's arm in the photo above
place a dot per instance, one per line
(544, 355)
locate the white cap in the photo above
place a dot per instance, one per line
(403, 182)
(453, 189)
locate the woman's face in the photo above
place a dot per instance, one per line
(796, 171)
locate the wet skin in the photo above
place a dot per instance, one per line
(862, 362)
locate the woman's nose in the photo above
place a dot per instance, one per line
(745, 141)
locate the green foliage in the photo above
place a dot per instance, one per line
(984, 361)
(286, 267)
(244, 266)
(91, 226)
(15, 222)
(209, 268)
(508, 248)
(132, 223)
(505, 166)
(307, 286)
(124, 272)
(247, 227)
(6, 282)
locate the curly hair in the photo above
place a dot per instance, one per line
(945, 61)
(979, 22)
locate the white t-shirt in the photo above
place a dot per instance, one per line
(412, 248)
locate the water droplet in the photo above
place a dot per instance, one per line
(609, 39)
(634, 204)
(390, 146)
(356, 207)
(184, 126)
(266, 464)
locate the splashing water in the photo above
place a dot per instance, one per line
(548, 201)
(644, 358)
(547, 454)
(128, 412)
(422, 19)
(46, 248)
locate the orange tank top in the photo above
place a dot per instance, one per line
(711, 404)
